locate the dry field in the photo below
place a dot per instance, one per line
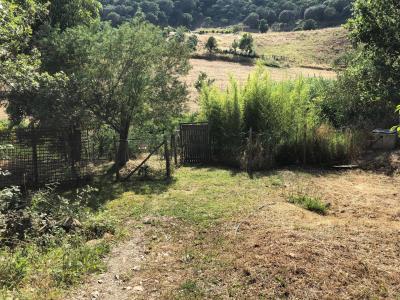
(303, 48)
(221, 72)
(215, 234)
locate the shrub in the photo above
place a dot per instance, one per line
(246, 43)
(309, 24)
(263, 26)
(96, 228)
(236, 28)
(310, 203)
(193, 41)
(211, 44)
(203, 80)
(270, 62)
(285, 119)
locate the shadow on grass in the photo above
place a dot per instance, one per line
(110, 189)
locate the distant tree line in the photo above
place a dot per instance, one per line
(256, 14)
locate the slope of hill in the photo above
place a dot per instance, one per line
(281, 14)
(315, 48)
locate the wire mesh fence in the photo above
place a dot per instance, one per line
(37, 156)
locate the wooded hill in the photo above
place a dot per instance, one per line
(281, 14)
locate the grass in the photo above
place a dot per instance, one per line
(231, 236)
(315, 48)
(310, 203)
(226, 235)
(31, 273)
(198, 197)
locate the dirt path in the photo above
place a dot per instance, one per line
(119, 282)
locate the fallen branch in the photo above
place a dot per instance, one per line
(143, 162)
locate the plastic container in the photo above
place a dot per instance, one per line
(384, 139)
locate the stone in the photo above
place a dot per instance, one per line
(95, 295)
(147, 221)
(138, 288)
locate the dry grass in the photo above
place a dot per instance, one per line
(221, 72)
(220, 235)
(303, 48)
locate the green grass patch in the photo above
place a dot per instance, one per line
(198, 197)
(190, 290)
(310, 203)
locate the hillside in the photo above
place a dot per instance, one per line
(308, 53)
(315, 48)
(278, 14)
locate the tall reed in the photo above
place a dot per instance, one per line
(285, 120)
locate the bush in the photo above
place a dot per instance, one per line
(98, 227)
(43, 233)
(72, 263)
(309, 24)
(246, 43)
(285, 118)
(211, 44)
(263, 26)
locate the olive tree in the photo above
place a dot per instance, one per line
(133, 74)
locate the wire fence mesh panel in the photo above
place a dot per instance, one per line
(37, 156)
(31, 156)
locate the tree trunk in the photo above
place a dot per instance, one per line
(122, 154)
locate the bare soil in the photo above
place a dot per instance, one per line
(119, 281)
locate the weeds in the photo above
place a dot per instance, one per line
(48, 231)
(74, 262)
(190, 289)
(13, 268)
(310, 203)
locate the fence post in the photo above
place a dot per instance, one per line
(34, 156)
(167, 157)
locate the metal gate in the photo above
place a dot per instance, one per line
(195, 143)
